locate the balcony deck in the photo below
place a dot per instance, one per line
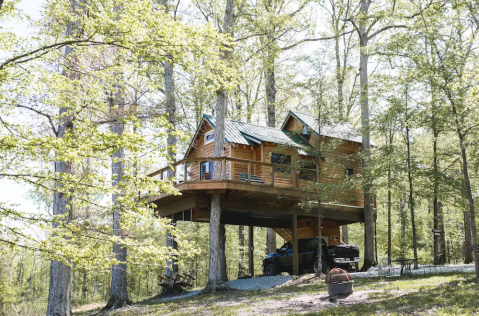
(253, 193)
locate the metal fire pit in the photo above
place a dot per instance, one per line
(338, 281)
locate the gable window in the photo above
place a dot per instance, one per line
(306, 133)
(281, 159)
(209, 137)
(206, 170)
(348, 173)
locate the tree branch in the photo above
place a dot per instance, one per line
(316, 39)
(384, 29)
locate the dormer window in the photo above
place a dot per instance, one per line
(306, 133)
(209, 137)
(348, 173)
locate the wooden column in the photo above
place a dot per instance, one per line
(250, 251)
(294, 230)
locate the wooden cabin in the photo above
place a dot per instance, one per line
(264, 176)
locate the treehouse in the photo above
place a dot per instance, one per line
(266, 176)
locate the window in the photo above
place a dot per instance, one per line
(206, 170)
(281, 160)
(307, 174)
(348, 173)
(209, 137)
(306, 133)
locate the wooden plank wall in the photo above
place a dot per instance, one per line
(242, 152)
(339, 156)
(199, 149)
(307, 228)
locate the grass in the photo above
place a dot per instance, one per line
(450, 294)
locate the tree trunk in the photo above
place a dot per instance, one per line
(119, 276)
(411, 191)
(467, 185)
(241, 265)
(59, 295)
(318, 181)
(389, 215)
(83, 287)
(339, 76)
(467, 250)
(215, 282)
(224, 274)
(270, 88)
(345, 234)
(366, 143)
(439, 238)
(402, 214)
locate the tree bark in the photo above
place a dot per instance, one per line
(411, 189)
(467, 185)
(467, 238)
(241, 265)
(439, 238)
(366, 142)
(345, 234)
(59, 295)
(215, 281)
(318, 181)
(119, 276)
(224, 274)
(270, 87)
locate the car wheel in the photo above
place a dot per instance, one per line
(270, 270)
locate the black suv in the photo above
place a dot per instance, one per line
(343, 256)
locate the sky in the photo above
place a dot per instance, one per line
(9, 190)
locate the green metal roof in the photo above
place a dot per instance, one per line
(250, 134)
(344, 131)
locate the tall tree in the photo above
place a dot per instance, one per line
(412, 201)
(119, 277)
(364, 24)
(452, 46)
(59, 295)
(215, 274)
(171, 142)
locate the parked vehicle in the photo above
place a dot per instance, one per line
(342, 256)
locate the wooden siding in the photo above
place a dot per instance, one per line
(307, 228)
(339, 155)
(200, 149)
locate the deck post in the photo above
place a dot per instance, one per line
(272, 176)
(294, 230)
(186, 172)
(250, 251)
(249, 172)
(224, 170)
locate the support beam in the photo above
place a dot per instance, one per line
(250, 251)
(294, 229)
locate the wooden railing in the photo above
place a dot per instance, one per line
(238, 170)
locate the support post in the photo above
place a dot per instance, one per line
(186, 172)
(224, 169)
(250, 251)
(294, 230)
(249, 172)
(272, 176)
